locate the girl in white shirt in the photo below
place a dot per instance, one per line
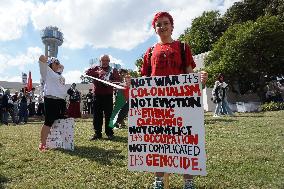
(55, 92)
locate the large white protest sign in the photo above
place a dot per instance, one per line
(166, 125)
(61, 134)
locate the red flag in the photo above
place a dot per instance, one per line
(30, 82)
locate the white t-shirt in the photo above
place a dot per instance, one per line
(54, 84)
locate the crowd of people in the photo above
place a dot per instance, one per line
(19, 106)
(275, 90)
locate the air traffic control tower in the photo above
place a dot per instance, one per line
(51, 38)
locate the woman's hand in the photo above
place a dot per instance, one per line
(43, 59)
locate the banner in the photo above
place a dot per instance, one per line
(30, 82)
(120, 101)
(166, 125)
(61, 134)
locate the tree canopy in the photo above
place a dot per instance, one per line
(275, 7)
(138, 64)
(245, 10)
(204, 32)
(253, 9)
(206, 29)
(249, 52)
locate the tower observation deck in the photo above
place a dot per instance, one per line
(51, 38)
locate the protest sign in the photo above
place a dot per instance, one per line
(61, 134)
(166, 125)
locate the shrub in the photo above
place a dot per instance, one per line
(272, 106)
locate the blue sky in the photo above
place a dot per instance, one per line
(121, 28)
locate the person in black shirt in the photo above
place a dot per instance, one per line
(90, 99)
(23, 107)
(74, 102)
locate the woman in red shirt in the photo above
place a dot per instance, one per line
(168, 58)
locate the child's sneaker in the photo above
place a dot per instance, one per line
(188, 184)
(42, 147)
(158, 184)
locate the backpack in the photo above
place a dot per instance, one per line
(182, 53)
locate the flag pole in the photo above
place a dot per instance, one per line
(166, 181)
(106, 82)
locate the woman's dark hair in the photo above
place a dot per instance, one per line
(52, 60)
(220, 75)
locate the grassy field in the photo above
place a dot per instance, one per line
(246, 151)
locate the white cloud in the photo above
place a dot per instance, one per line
(21, 60)
(184, 11)
(11, 78)
(72, 76)
(115, 60)
(121, 24)
(14, 17)
(100, 24)
(64, 57)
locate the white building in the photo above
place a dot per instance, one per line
(207, 103)
(240, 103)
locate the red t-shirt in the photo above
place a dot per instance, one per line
(166, 60)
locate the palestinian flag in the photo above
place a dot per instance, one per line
(120, 100)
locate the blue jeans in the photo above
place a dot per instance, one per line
(5, 117)
(224, 107)
(23, 112)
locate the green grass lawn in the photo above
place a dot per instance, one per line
(246, 151)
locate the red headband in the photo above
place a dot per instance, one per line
(162, 14)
